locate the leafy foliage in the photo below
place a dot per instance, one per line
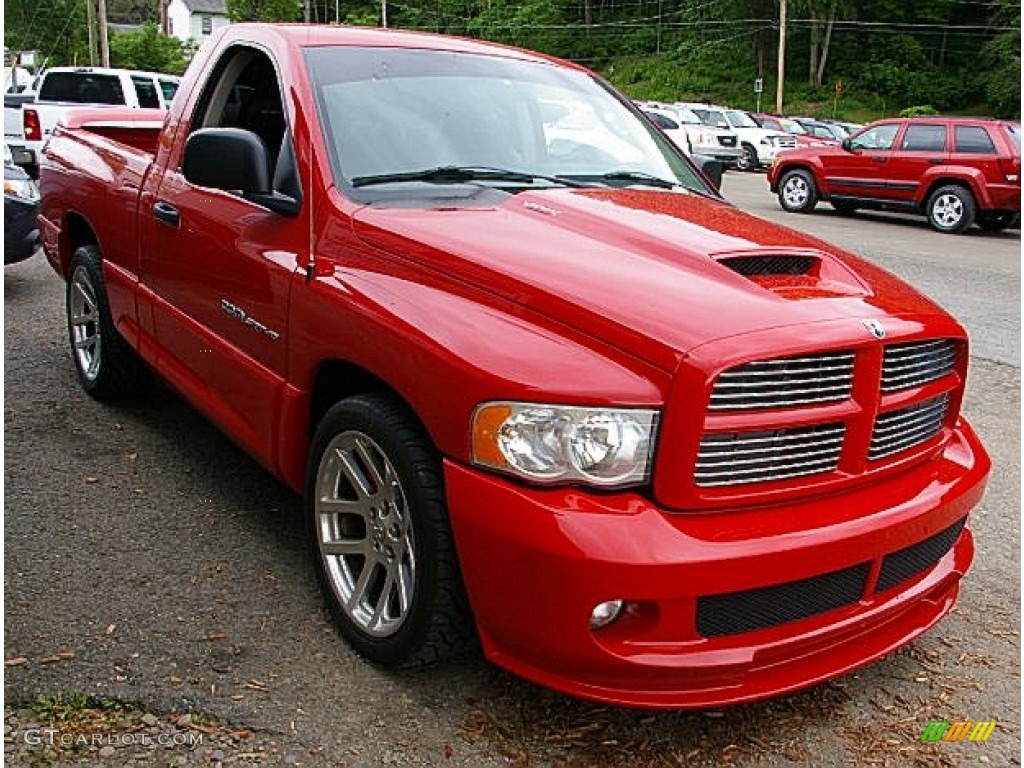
(264, 10)
(149, 50)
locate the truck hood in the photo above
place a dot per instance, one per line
(654, 273)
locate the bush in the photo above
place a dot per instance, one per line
(919, 111)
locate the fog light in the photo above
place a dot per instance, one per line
(605, 613)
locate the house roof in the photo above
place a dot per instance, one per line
(219, 7)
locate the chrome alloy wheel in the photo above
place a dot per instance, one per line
(796, 191)
(83, 314)
(365, 534)
(947, 210)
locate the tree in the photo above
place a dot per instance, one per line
(148, 49)
(264, 10)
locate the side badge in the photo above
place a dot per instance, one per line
(875, 328)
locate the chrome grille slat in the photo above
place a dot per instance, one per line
(917, 362)
(762, 456)
(784, 382)
(901, 430)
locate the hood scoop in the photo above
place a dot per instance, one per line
(807, 275)
(768, 265)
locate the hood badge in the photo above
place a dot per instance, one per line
(875, 328)
(532, 206)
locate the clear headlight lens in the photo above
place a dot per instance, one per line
(607, 447)
(25, 189)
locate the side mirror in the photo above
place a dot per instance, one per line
(711, 168)
(847, 145)
(234, 160)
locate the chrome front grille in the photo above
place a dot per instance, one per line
(900, 430)
(916, 363)
(727, 141)
(785, 142)
(768, 455)
(784, 382)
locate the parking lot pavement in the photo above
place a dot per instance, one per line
(149, 562)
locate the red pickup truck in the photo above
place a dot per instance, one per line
(540, 386)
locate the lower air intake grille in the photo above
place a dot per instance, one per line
(907, 563)
(760, 457)
(900, 430)
(737, 612)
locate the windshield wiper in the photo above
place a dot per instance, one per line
(639, 177)
(455, 174)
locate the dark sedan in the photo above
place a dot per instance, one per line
(21, 206)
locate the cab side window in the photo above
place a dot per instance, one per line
(925, 138)
(879, 137)
(244, 92)
(973, 139)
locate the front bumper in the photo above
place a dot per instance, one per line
(536, 562)
(21, 235)
(727, 155)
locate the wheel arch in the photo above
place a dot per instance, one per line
(76, 232)
(800, 165)
(945, 179)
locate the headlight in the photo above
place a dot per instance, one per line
(25, 189)
(608, 447)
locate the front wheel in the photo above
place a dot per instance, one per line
(748, 160)
(381, 538)
(797, 192)
(951, 209)
(107, 368)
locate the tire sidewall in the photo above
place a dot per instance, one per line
(812, 192)
(748, 161)
(359, 414)
(966, 200)
(88, 259)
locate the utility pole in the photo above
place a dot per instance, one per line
(104, 42)
(90, 14)
(779, 85)
(305, 11)
(384, 13)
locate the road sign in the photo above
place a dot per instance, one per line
(839, 86)
(759, 85)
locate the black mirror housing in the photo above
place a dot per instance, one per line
(227, 158)
(711, 168)
(848, 144)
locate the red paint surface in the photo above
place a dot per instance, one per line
(610, 297)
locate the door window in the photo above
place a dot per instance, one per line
(973, 139)
(879, 137)
(145, 92)
(924, 138)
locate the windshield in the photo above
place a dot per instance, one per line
(388, 111)
(740, 119)
(792, 126)
(688, 116)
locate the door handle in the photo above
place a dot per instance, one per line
(877, 159)
(166, 213)
(935, 161)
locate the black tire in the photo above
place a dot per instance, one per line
(748, 160)
(108, 369)
(797, 191)
(393, 533)
(996, 221)
(951, 209)
(844, 208)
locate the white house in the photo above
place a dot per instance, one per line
(195, 20)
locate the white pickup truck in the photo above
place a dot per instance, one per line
(759, 145)
(28, 125)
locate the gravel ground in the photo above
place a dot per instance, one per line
(157, 583)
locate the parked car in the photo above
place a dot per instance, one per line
(21, 206)
(758, 145)
(644, 447)
(955, 171)
(711, 141)
(793, 128)
(29, 124)
(818, 130)
(669, 125)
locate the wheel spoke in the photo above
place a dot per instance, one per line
(404, 589)
(336, 507)
(354, 474)
(384, 597)
(359, 591)
(343, 547)
(85, 342)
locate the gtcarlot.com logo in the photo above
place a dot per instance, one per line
(964, 730)
(53, 737)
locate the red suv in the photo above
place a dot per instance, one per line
(956, 170)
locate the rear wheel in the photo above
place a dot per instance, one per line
(797, 192)
(951, 209)
(381, 539)
(108, 369)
